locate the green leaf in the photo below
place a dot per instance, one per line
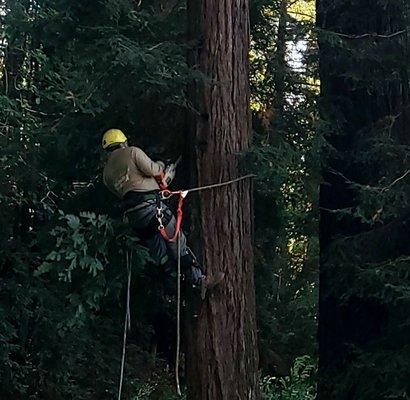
(73, 221)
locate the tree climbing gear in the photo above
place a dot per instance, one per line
(160, 215)
(113, 137)
(178, 344)
(134, 201)
(167, 194)
(127, 322)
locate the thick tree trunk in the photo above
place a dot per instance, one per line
(222, 359)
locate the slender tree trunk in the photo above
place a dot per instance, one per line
(222, 360)
(280, 73)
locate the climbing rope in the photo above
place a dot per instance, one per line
(178, 349)
(127, 322)
(167, 194)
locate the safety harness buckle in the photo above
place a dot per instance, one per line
(160, 216)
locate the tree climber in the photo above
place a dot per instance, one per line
(133, 177)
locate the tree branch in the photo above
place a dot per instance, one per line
(366, 35)
(312, 18)
(396, 180)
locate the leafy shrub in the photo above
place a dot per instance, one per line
(299, 385)
(157, 387)
(87, 257)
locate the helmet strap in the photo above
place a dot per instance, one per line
(116, 146)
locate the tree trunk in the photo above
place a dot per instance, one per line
(280, 73)
(222, 359)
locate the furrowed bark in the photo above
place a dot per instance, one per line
(222, 359)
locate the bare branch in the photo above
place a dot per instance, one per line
(366, 35)
(312, 18)
(373, 188)
(396, 180)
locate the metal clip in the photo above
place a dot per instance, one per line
(159, 216)
(166, 194)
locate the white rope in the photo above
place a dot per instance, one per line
(178, 344)
(216, 185)
(166, 194)
(178, 349)
(129, 291)
(127, 323)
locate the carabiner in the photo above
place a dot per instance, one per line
(166, 194)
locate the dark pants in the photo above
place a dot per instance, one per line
(145, 225)
(142, 218)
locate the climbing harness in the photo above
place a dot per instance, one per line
(165, 195)
(160, 215)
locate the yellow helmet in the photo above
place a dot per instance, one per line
(113, 136)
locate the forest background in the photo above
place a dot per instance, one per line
(69, 71)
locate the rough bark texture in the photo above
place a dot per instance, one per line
(222, 358)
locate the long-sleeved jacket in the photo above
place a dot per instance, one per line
(130, 169)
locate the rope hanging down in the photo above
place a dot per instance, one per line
(166, 194)
(127, 322)
(178, 317)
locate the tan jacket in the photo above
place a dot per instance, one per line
(130, 169)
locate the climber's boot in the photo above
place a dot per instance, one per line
(199, 282)
(209, 283)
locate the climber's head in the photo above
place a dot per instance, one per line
(113, 138)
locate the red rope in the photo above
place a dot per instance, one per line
(162, 230)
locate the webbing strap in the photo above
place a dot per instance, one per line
(162, 228)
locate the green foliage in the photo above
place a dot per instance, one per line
(299, 385)
(70, 70)
(286, 155)
(86, 249)
(158, 387)
(365, 200)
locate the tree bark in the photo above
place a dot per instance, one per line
(222, 359)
